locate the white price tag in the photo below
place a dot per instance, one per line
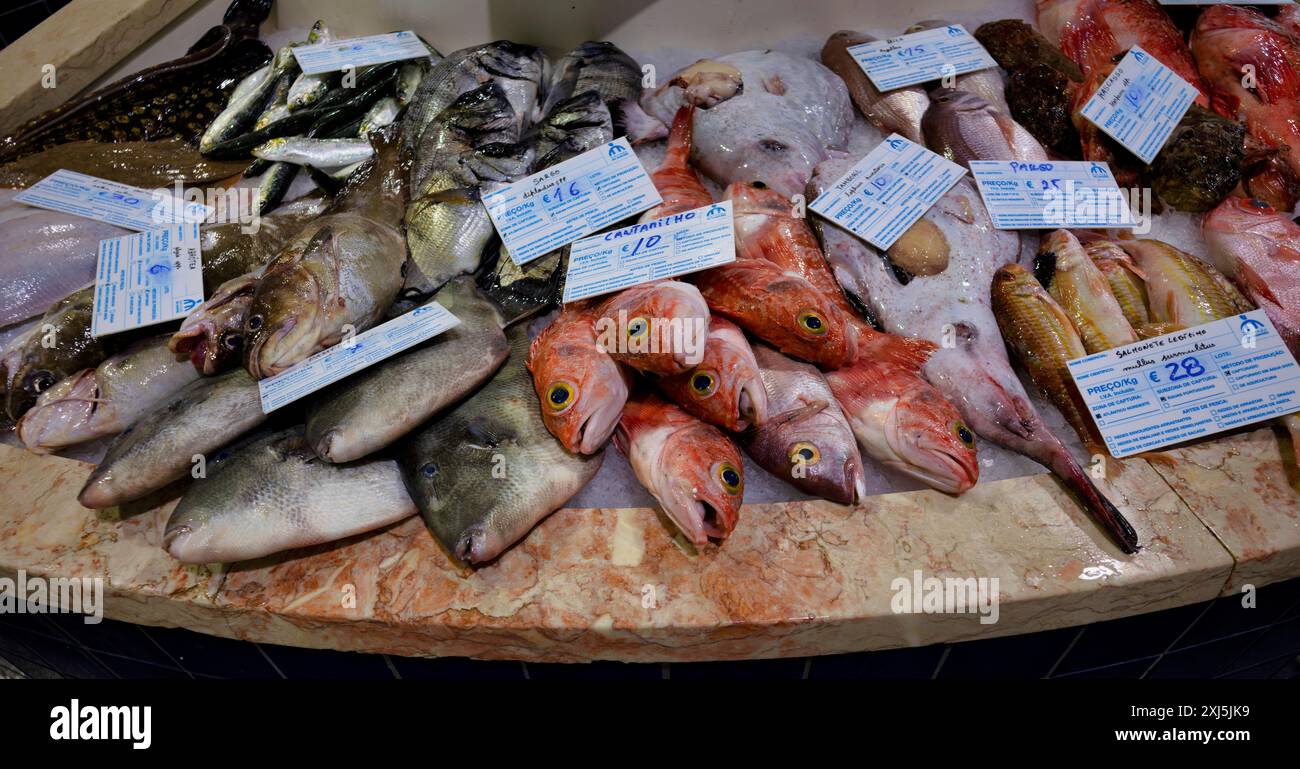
(147, 278)
(570, 200)
(359, 52)
(1140, 104)
(661, 248)
(350, 356)
(1199, 381)
(921, 57)
(888, 191)
(123, 205)
(1041, 196)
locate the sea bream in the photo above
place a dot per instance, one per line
(984, 83)
(897, 111)
(689, 466)
(342, 272)
(952, 308)
(273, 494)
(805, 439)
(763, 116)
(962, 127)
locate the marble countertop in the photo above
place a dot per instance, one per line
(794, 579)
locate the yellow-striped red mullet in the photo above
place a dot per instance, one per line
(1042, 337)
(1083, 291)
(1127, 283)
(1182, 291)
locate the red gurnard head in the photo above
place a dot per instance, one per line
(581, 389)
(783, 309)
(691, 467)
(658, 327)
(725, 388)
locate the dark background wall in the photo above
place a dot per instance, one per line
(1214, 639)
(18, 16)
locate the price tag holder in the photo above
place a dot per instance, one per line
(359, 52)
(1043, 196)
(1188, 384)
(888, 191)
(147, 278)
(1140, 104)
(661, 248)
(570, 200)
(348, 357)
(121, 204)
(921, 57)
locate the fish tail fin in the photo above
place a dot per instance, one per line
(680, 137)
(906, 353)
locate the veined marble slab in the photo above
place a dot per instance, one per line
(1245, 487)
(794, 579)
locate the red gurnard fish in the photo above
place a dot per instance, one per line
(782, 308)
(725, 388)
(675, 179)
(690, 466)
(658, 327)
(1097, 33)
(581, 388)
(905, 423)
(1229, 41)
(1259, 250)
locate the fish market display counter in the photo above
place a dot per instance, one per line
(602, 583)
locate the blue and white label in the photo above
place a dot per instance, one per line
(661, 248)
(351, 355)
(570, 200)
(921, 57)
(1043, 196)
(888, 191)
(1195, 382)
(147, 278)
(359, 52)
(1140, 104)
(123, 205)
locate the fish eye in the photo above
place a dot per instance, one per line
(429, 469)
(772, 145)
(703, 383)
(559, 396)
(255, 322)
(964, 434)
(232, 341)
(730, 478)
(812, 320)
(39, 381)
(637, 327)
(805, 453)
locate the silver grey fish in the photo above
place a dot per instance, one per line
(306, 89)
(572, 127)
(241, 112)
(963, 127)
(382, 113)
(272, 494)
(898, 111)
(368, 411)
(322, 153)
(105, 400)
(162, 446)
(486, 472)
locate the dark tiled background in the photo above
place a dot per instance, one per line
(1218, 639)
(18, 16)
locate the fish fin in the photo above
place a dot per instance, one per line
(680, 137)
(903, 352)
(796, 414)
(329, 184)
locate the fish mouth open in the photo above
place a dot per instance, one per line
(698, 517)
(64, 420)
(751, 403)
